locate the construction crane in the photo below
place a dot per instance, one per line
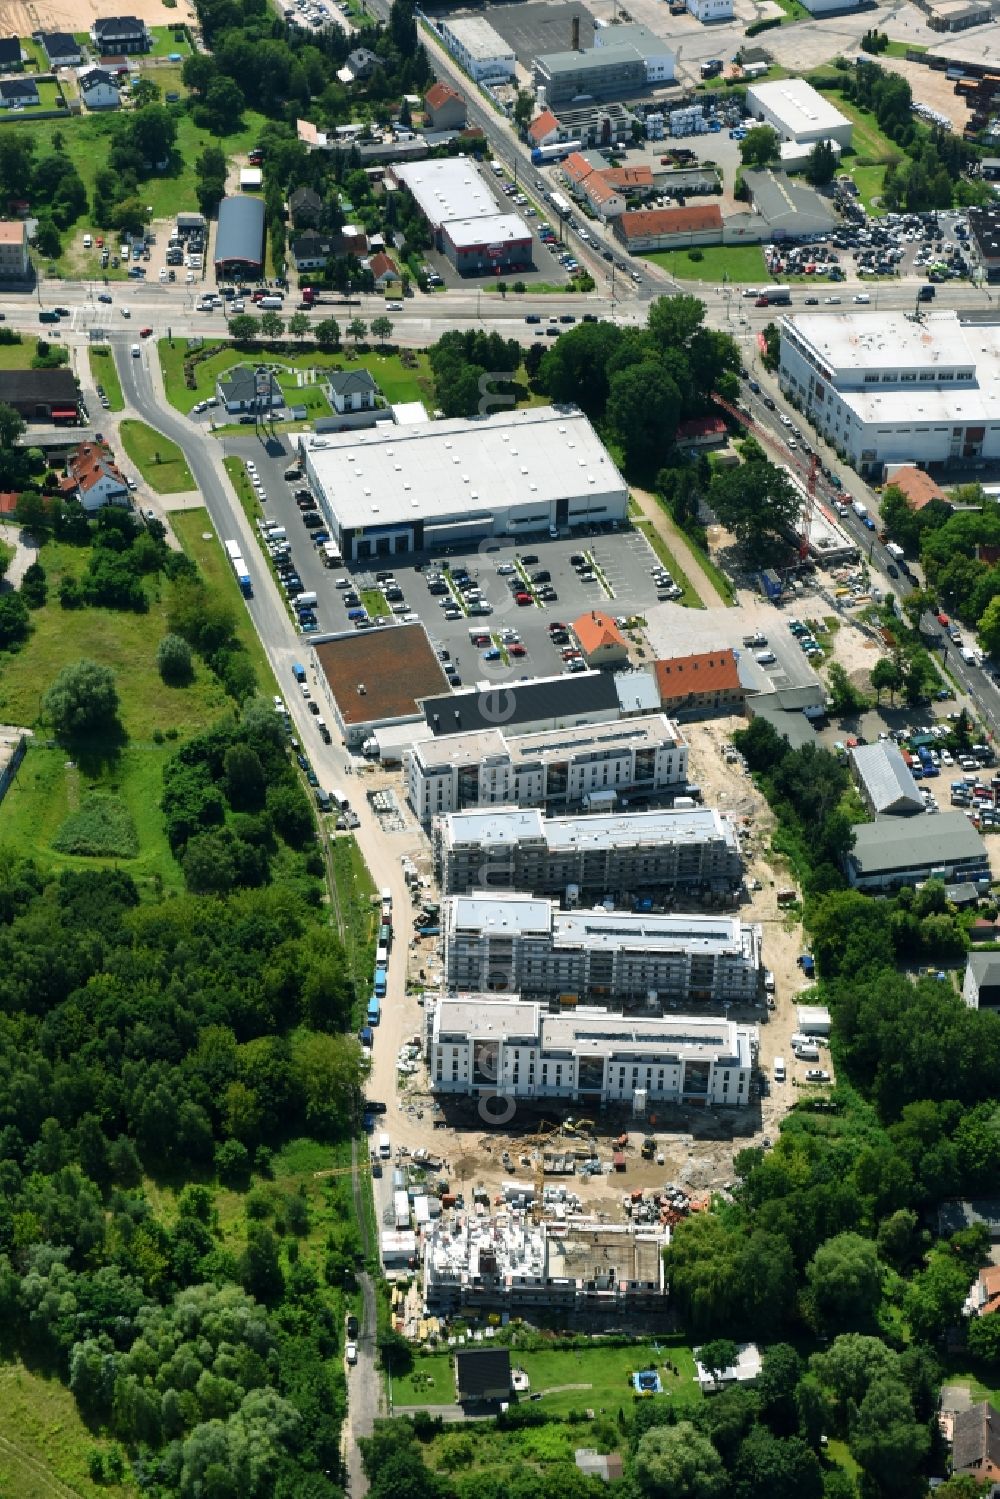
(808, 473)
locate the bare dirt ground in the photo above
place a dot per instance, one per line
(932, 88)
(22, 17)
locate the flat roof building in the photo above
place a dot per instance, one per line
(515, 1050)
(582, 763)
(523, 944)
(797, 111)
(889, 854)
(623, 60)
(514, 473)
(507, 1263)
(465, 219)
(885, 782)
(621, 855)
(482, 52)
(372, 678)
(239, 238)
(886, 388)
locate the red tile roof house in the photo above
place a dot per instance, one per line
(600, 639)
(385, 271)
(701, 685)
(701, 432)
(543, 129)
(91, 476)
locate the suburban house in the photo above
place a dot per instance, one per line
(608, 1467)
(957, 1213)
(115, 36)
(670, 228)
(445, 107)
(18, 93)
(701, 432)
(700, 685)
(41, 395)
(600, 639)
(976, 1442)
(984, 1295)
(544, 129)
(744, 1371)
(352, 390)
(305, 207)
(482, 1375)
(98, 88)
(981, 985)
(609, 190)
(62, 49)
(11, 57)
(362, 62)
(312, 251)
(14, 263)
(238, 391)
(93, 479)
(385, 271)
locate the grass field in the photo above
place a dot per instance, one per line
(48, 787)
(44, 1445)
(355, 891)
(195, 533)
(587, 1378)
(869, 182)
(160, 461)
(19, 356)
(165, 42)
(739, 263)
(105, 373)
(398, 382)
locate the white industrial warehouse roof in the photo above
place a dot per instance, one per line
(462, 467)
(887, 779)
(449, 188)
(798, 106)
(487, 229)
(479, 38)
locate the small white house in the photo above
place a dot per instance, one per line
(251, 179)
(352, 390)
(745, 1370)
(98, 88)
(711, 10)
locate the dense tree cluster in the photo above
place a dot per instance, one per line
(473, 371)
(637, 384)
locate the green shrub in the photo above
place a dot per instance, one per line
(101, 828)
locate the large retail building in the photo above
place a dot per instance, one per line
(463, 215)
(887, 387)
(515, 473)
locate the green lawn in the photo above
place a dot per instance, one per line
(373, 599)
(740, 263)
(164, 42)
(310, 396)
(44, 1444)
(191, 528)
(360, 915)
(397, 381)
(870, 143)
(105, 373)
(587, 1378)
(689, 595)
(160, 461)
(19, 356)
(870, 182)
(48, 786)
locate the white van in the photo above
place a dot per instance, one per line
(340, 800)
(764, 658)
(306, 601)
(384, 1148)
(779, 1069)
(808, 1053)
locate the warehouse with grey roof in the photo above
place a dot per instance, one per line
(892, 852)
(239, 239)
(885, 782)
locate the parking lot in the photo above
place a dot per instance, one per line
(622, 566)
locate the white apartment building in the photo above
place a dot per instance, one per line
(523, 944)
(482, 52)
(512, 1049)
(585, 858)
(558, 769)
(884, 387)
(711, 10)
(14, 263)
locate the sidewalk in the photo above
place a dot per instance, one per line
(658, 516)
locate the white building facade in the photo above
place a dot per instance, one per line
(798, 112)
(883, 388)
(523, 944)
(513, 1049)
(558, 769)
(711, 10)
(480, 50)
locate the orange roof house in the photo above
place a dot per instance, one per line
(918, 488)
(700, 685)
(542, 128)
(654, 228)
(600, 639)
(93, 477)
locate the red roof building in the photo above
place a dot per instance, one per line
(543, 128)
(918, 488)
(667, 228)
(701, 685)
(600, 639)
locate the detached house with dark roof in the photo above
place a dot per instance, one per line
(701, 685)
(312, 251)
(11, 56)
(98, 88)
(482, 1375)
(352, 390)
(62, 49)
(237, 391)
(18, 93)
(305, 206)
(117, 36)
(41, 395)
(976, 1442)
